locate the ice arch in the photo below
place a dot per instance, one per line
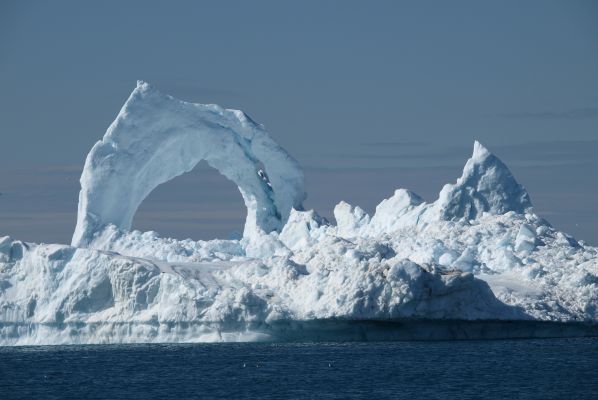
(156, 137)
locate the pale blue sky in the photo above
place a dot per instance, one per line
(368, 96)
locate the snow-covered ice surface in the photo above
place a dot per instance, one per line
(478, 253)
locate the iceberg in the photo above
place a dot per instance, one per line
(475, 263)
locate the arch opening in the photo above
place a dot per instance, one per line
(200, 205)
(156, 138)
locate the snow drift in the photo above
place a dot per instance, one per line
(478, 254)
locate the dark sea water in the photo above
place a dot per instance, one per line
(513, 369)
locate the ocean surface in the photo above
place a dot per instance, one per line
(513, 369)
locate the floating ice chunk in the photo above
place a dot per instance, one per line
(401, 209)
(405, 270)
(486, 185)
(302, 229)
(264, 246)
(447, 258)
(349, 219)
(5, 245)
(526, 238)
(466, 261)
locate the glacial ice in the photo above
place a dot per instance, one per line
(477, 253)
(156, 137)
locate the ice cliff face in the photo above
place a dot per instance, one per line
(477, 253)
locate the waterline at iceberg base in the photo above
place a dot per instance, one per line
(328, 330)
(476, 263)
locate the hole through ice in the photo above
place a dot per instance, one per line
(200, 204)
(156, 138)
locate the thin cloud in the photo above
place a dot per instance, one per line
(393, 143)
(574, 113)
(191, 91)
